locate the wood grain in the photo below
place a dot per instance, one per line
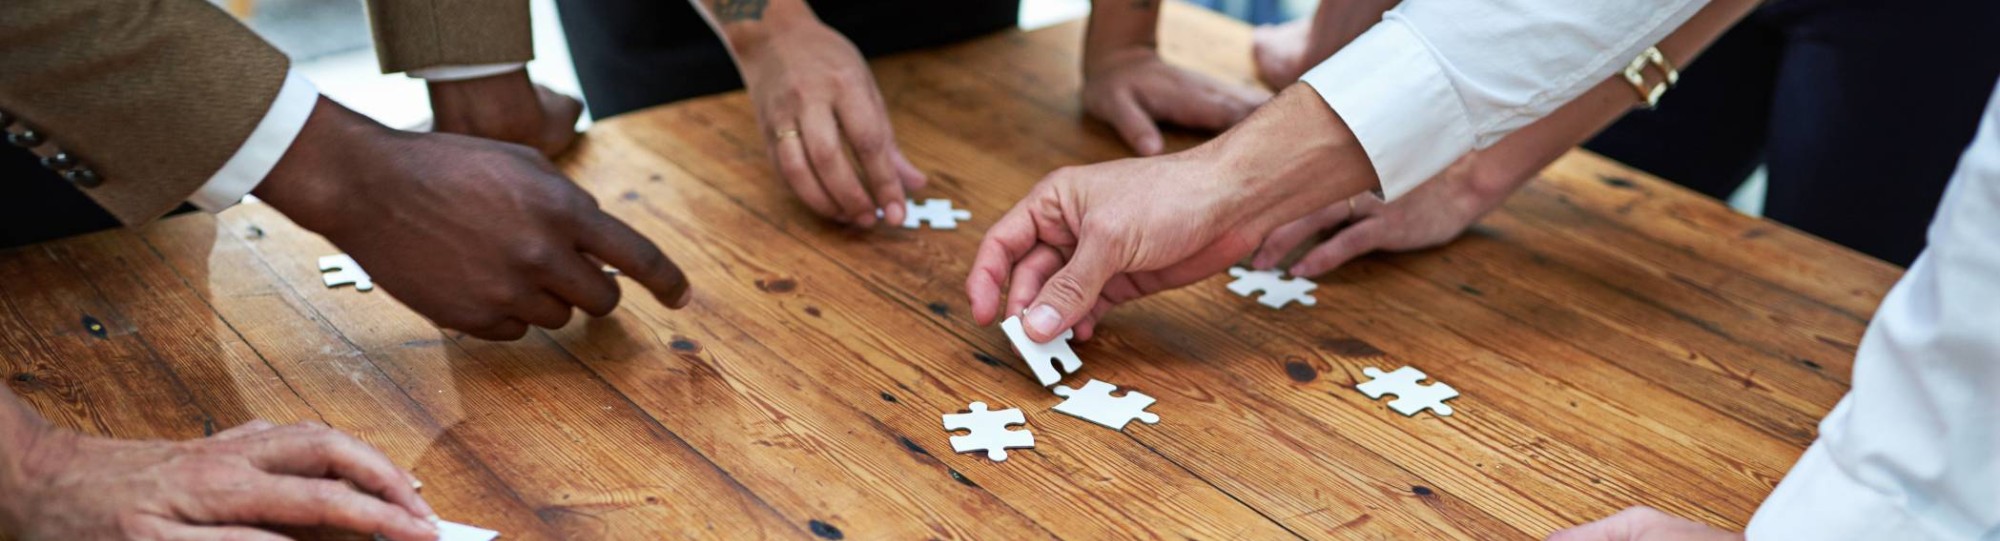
(1619, 341)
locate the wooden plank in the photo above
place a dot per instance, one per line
(572, 451)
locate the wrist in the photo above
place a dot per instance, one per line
(322, 169)
(1292, 156)
(1099, 59)
(750, 40)
(503, 107)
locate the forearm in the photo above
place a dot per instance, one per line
(1514, 160)
(1119, 25)
(746, 25)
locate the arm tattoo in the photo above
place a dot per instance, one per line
(1145, 4)
(729, 11)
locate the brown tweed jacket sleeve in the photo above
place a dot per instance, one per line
(147, 97)
(415, 34)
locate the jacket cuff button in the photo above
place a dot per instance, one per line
(59, 162)
(25, 139)
(84, 177)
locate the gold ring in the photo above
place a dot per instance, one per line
(787, 133)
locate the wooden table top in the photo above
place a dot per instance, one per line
(1618, 341)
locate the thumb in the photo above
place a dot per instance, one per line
(1134, 125)
(1070, 293)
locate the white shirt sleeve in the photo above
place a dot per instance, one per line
(1439, 78)
(260, 152)
(1913, 450)
(440, 74)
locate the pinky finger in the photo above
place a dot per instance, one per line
(1362, 237)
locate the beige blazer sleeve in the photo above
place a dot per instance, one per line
(150, 97)
(416, 34)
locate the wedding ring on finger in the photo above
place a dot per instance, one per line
(787, 133)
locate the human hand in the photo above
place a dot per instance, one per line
(815, 100)
(1088, 238)
(1131, 88)
(506, 107)
(65, 485)
(1283, 52)
(1645, 524)
(1431, 215)
(477, 235)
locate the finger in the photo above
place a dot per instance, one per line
(1029, 274)
(829, 160)
(1351, 242)
(317, 451)
(1209, 261)
(166, 530)
(1134, 125)
(507, 330)
(293, 501)
(874, 142)
(1006, 242)
(1285, 238)
(1087, 328)
(245, 429)
(913, 178)
(790, 152)
(1070, 293)
(582, 283)
(541, 309)
(613, 242)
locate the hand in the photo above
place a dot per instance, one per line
(815, 100)
(1283, 52)
(477, 235)
(1132, 87)
(507, 107)
(1088, 238)
(1645, 524)
(1429, 216)
(1121, 235)
(67, 485)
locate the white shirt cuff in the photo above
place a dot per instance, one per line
(260, 152)
(1390, 89)
(1819, 499)
(441, 74)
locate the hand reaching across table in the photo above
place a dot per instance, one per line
(59, 484)
(1128, 85)
(816, 101)
(477, 235)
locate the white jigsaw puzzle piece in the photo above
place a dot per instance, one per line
(1094, 403)
(936, 211)
(452, 531)
(989, 431)
(342, 270)
(1411, 397)
(1043, 357)
(1278, 290)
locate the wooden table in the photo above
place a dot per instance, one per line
(1619, 341)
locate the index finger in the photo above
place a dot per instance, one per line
(1006, 242)
(874, 143)
(315, 451)
(617, 244)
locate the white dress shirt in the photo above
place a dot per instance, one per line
(282, 123)
(1439, 78)
(1913, 450)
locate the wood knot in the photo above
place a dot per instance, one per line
(93, 326)
(984, 358)
(1421, 490)
(1617, 182)
(779, 285)
(890, 398)
(812, 311)
(824, 530)
(939, 308)
(1300, 371)
(684, 345)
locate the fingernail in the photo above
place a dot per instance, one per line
(1044, 319)
(416, 484)
(687, 295)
